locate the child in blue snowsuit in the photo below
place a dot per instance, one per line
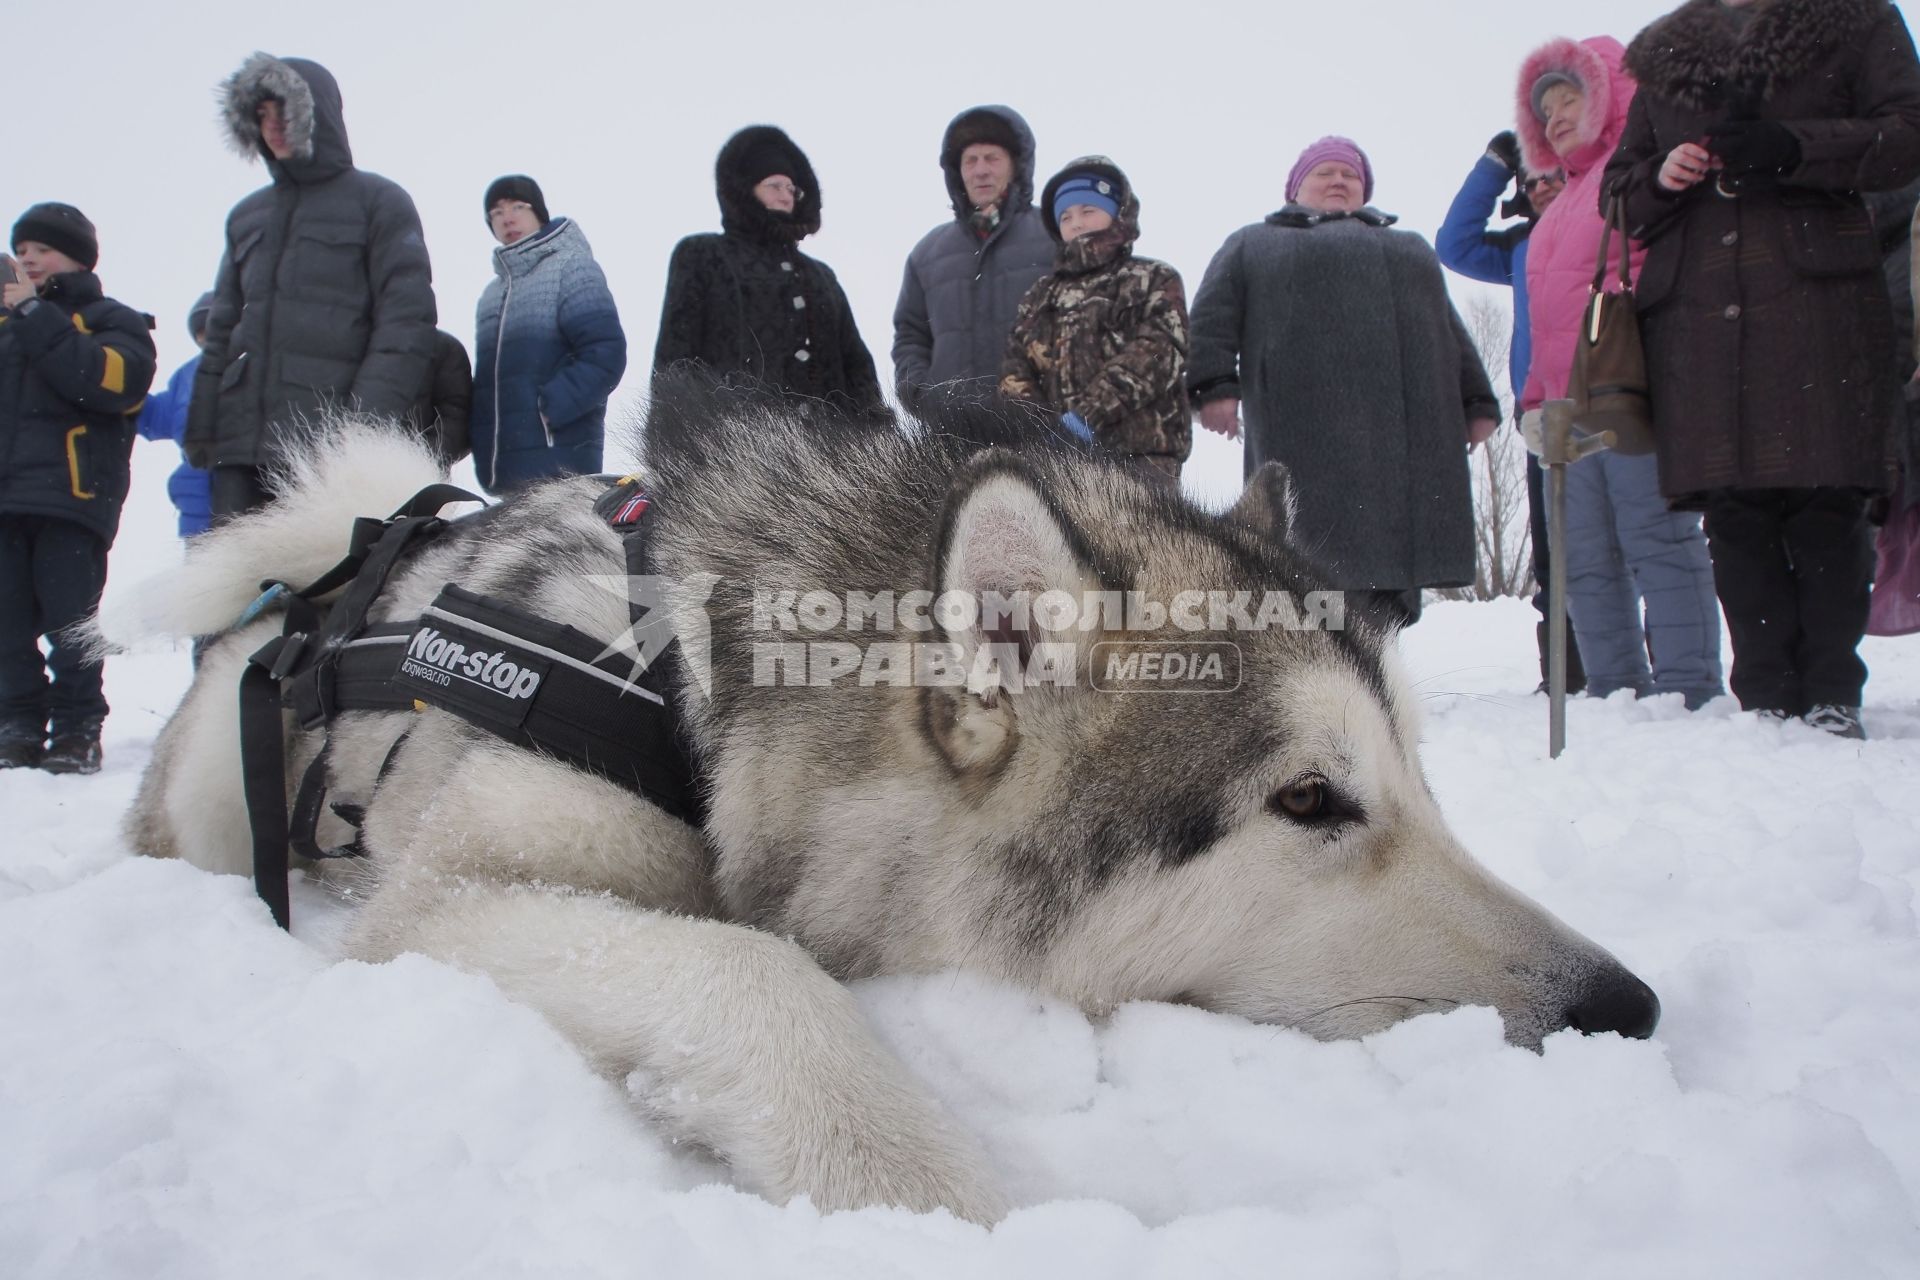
(165, 418)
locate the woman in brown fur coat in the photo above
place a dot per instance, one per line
(1768, 333)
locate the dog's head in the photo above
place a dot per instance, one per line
(1224, 804)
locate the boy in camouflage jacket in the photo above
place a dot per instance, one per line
(1103, 340)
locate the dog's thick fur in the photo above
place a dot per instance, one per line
(1104, 847)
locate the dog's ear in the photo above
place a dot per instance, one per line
(1266, 507)
(1005, 548)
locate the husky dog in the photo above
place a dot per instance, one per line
(1269, 849)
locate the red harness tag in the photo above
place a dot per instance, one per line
(629, 511)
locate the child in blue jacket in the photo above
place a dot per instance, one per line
(165, 418)
(74, 364)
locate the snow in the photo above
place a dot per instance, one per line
(185, 1091)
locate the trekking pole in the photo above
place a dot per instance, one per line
(1560, 449)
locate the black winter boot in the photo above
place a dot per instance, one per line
(75, 748)
(1837, 719)
(21, 745)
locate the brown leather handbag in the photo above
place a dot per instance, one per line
(1608, 386)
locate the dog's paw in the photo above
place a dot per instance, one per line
(920, 1166)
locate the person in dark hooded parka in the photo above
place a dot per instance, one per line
(325, 295)
(747, 301)
(965, 279)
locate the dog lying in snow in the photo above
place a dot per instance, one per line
(1268, 850)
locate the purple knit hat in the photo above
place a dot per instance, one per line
(1331, 147)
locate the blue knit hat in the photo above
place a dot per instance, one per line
(1088, 189)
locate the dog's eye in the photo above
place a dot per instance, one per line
(1303, 800)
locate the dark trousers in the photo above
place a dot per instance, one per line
(233, 489)
(1794, 572)
(1542, 571)
(51, 575)
(1537, 529)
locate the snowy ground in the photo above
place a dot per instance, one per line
(185, 1091)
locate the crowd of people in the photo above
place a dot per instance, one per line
(1763, 156)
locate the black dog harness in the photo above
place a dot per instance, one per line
(537, 683)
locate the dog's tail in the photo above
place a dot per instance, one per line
(352, 466)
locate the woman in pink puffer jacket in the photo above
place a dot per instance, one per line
(1625, 550)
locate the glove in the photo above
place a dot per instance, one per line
(1530, 431)
(1505, 148)
(1076, 424)
(1754, 146)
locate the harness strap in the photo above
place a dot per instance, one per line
(535, 682)
(298, 661)
(304, 825)
(545, 686)
(264, 775)
(367, 533)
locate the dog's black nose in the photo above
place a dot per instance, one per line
(1616, 1001)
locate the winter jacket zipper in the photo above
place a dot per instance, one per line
(499, 345)
(980, 254)
(265, 427)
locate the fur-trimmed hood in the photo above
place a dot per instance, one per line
(997, 124)
(741, 212)
(1697, 55)
(1598, 63)
(316, 121)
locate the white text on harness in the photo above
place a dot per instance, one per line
(431, 656)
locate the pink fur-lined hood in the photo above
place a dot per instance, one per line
(1599, 64)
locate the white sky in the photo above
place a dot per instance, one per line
(619, 109)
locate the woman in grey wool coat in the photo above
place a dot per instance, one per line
(1357, 375)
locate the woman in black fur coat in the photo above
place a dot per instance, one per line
(747, 301)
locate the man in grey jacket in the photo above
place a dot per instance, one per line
(965, 279)
(325, 294)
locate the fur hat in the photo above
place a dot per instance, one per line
(980, 125)
(516, 186)
(1331, 147)
(61, 227)
(748, 158)
(765, 155)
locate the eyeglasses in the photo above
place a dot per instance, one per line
(1535, 183)
(781, 186)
